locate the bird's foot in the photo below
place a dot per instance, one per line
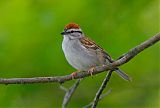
(74, 74)
(91, 70)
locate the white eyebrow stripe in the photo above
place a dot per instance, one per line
(69, 30)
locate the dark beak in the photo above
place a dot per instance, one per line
(63, 33)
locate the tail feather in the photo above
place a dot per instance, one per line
(122, 74)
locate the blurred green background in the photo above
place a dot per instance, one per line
(30, 46)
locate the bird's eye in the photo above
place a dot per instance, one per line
(72, 31)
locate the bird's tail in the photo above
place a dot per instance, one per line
(122, 74)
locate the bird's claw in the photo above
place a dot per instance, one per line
(74, 74)
(91, 70)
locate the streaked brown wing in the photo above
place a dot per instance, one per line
(89, 44)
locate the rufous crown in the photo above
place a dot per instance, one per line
(72, 26)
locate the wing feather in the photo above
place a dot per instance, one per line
(90, 44)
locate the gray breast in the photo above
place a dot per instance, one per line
(77, 55)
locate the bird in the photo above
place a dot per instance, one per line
(84, 54)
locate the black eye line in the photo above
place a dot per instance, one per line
(74, 32)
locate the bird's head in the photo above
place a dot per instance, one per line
(73, 31)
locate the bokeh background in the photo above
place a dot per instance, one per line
(30, 46)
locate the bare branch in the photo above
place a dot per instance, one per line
(124, 59)
(106, 94)
(102, 87)
(63, 88)
(101, 97)
(69, 94)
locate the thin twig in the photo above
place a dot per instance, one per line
(101, 97)
(124, 59)
(106, 94)
(102, 87)
(63, 88)
(69, 93)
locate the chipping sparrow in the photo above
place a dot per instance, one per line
(83, 53)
